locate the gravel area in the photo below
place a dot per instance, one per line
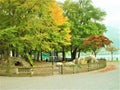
(104, 79)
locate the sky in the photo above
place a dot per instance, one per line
(111, 7)
(112, 19)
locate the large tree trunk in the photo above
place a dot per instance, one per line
(2, 54)
(38, 55)
(25, 51)
(56, 54)
(63, 53)
(95, 53)
(7, 58)
(17, 53)
(73, 53)
(13, 53)
(79, 53)
(6, 54)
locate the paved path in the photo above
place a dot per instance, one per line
(94, 80)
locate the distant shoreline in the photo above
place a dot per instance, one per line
(108, 56)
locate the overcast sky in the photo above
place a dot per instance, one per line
(112, 8)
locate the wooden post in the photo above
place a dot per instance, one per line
(61, 69)
(52, 69)
(88, 66)
(73, 69)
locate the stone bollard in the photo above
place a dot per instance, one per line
(16, 71)
(60, 65)
(31, 72)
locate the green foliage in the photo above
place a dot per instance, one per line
(32, 25)
(30, 60)
(112, 48)
(7, 37)
(85, 20)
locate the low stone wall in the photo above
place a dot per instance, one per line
(83, 67)
(53, 70)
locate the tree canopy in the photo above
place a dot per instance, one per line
(94, 43)
(27, 25)
(112, 49)
(43, 25)
(85, 20)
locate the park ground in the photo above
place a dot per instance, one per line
(103, 79)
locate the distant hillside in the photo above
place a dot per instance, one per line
(114, 35)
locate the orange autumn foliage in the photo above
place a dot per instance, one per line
(97, 41)
(58, 14)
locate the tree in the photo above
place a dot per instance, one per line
(32, 25)
(94, 43)
(112, 49)
(85, 21)
(62, 35)
(22, 24)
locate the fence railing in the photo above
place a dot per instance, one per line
(53, 69)
(82, 68)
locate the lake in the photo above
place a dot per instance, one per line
(108, 56)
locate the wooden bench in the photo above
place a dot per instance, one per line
(24, 71)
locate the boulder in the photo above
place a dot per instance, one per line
(17, 61)
(69, 63)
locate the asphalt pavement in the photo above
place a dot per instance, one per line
(94, 80)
